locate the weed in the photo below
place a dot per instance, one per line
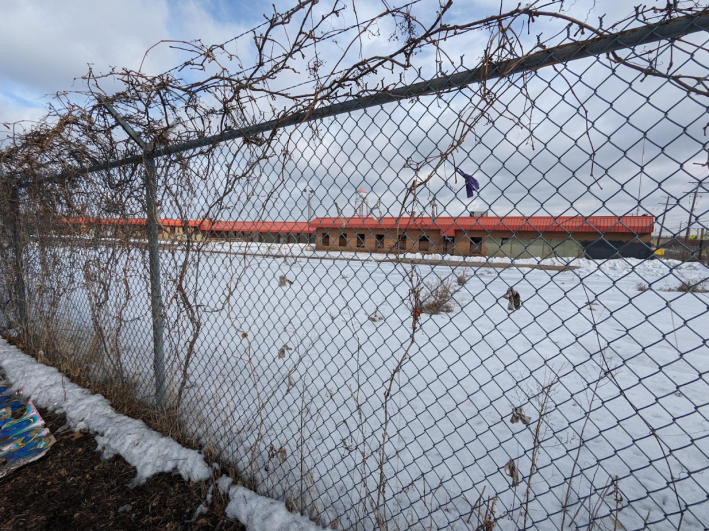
(376, 316)
(689, 287)
(434, 298)
(87, 367)
(483, 510)
(641, 286)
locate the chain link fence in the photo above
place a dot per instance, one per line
(336, 322)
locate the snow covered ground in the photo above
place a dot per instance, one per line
(288, 383)
(148, 451)
(145, 449)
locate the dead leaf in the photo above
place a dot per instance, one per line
(511, 470)
(72, 436)
(282, 351)
(519, 416)
(283, 281)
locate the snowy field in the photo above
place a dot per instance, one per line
(288, 383)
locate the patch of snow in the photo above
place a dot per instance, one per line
(468, 370)
(145, 449)
(258, 513)
(224, 483)
(202, 509)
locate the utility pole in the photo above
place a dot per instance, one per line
(691, 213)
(700, 184)
(153, 253)
(662, 223)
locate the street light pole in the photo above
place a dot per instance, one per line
(309, 191)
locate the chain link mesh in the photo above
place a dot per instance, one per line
(369, 373)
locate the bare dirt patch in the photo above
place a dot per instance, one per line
(71, 488)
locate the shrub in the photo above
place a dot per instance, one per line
(462, 279)
(641, 286)
(697, 287)
(437, 297)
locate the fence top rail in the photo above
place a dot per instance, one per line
(564, 53)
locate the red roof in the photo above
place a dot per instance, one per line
(105, 221)
(446, 225)
(536, 224)
(281, 227)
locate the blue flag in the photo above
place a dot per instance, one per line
(471, 185)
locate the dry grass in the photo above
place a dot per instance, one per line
(437, 297)
(483, 511)
(687, 286)
(64, 352)
(73, 488)
(462, 279)
(641, 286)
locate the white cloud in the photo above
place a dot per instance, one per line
(50, 44)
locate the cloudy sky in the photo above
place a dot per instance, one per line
(50, 44)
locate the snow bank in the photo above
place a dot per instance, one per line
(148, 451)
(145, 449)
(258, 513)
(657, 267)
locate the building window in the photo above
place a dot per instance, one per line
(424, 244)
(360, 240)
(448, 244)
(380, 241)
(402, 242)
(326, 239)
(475, 245)
(343, 239)
(503, 241)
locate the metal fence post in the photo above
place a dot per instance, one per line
(155, 290)
(20, 290)
(156, 305)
